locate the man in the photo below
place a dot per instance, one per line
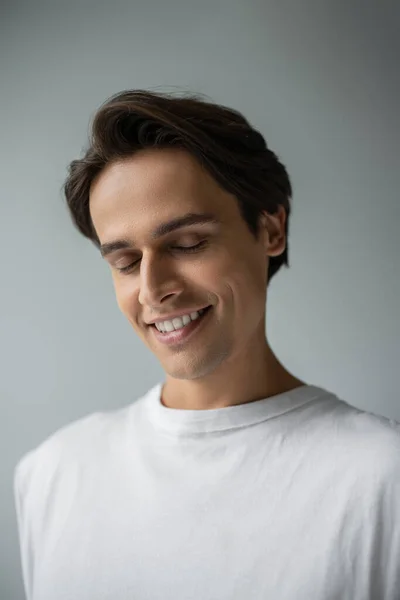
(231, 479)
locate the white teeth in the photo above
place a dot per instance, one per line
(178, 322)
(186, 319)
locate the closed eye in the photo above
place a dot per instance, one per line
(183, 249)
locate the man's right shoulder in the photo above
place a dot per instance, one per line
(65, 443)
(76, 442)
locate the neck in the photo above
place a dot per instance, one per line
(255, 375)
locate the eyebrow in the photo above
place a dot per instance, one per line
(163, 229)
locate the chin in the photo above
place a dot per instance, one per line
(188, 374)
(195, 369)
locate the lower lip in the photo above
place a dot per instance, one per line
(181, 335)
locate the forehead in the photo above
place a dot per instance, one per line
(152, 176)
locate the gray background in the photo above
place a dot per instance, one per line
(319, 79)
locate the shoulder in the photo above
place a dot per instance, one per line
(369, 431)
(47, 478)
(379, 437)
(69, 446)
(82, 445)
(363, 442)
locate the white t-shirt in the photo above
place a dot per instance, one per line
(288, 498)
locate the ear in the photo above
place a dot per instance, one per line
(272, 230)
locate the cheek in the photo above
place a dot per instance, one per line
(236, 274)
(247, 285)
(127, 297)
(218, 267)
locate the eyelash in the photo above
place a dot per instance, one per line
(184, 249)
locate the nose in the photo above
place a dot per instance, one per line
(158, 281)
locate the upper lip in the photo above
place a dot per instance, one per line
(187, 311)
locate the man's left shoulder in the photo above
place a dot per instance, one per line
(384, 431)
(374, 440)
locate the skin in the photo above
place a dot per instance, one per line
(229, 361)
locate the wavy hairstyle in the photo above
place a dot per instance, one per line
(220, 138)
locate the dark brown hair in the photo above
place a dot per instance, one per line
(220, 138)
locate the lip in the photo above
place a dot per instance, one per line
(181, 335)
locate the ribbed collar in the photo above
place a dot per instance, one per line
(182, 422)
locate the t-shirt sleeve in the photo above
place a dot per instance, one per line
(391, 505)
(24, 527)
(36, 477)
(387, 532)
(393, 523)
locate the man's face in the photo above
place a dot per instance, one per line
(227, 271)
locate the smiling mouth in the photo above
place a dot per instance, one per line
(178, 336)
